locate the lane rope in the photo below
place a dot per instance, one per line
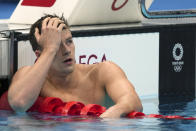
(58, 107)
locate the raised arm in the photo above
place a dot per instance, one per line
(28, 81)
(120, 90)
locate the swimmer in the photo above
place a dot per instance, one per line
(56, 74)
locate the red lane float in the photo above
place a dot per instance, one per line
(70, 108)
(135, 114)
(93, 110)
(154, 116)
(59, 109)
(57, 106)
(49, 104)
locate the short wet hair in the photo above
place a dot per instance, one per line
(38, 24)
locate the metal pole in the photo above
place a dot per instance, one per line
(13, 55)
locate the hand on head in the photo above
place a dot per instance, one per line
(50, 36)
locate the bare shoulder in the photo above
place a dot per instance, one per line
(102, 70)
(109, 67)
(107, 64)
(99, 67)
(21, 72)
(109, 71)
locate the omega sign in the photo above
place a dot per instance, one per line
(91, 59)
(114, 7)
(178, 53)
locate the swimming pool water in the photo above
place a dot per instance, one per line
(10, 121)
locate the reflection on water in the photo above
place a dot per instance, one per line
(10, 121)
(186, 109)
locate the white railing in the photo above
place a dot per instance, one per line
(4, 57)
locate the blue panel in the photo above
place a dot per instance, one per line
(160, 5)
(6, 9)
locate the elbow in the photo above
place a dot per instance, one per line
(140, 107)
(136, 107)
(18, 105)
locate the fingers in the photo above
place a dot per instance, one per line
(57, 22)
(61, 26)
(54, 23)
(51, 21)
(45, 22)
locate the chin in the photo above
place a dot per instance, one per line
(68, 70)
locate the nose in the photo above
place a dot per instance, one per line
(65, 49)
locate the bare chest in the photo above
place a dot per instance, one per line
(85, 91)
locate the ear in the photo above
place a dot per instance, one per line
(37, 53)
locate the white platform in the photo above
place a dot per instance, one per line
(82, 12)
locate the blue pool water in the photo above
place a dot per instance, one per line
(10, 121)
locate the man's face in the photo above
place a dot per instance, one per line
(64, 61)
